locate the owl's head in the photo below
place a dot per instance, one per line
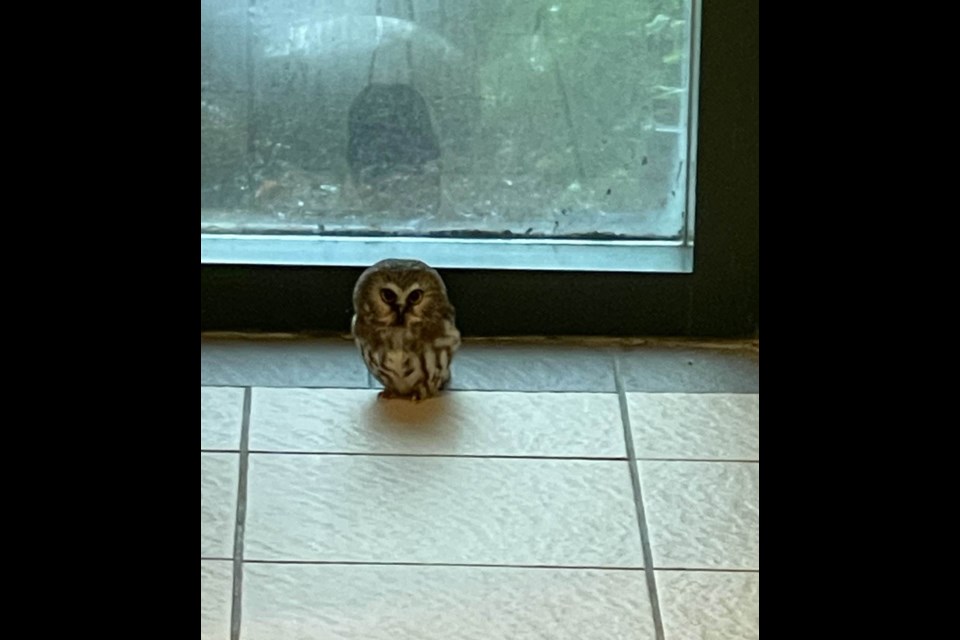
(400, 293)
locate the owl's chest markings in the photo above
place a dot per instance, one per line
(399, 362)
(400, 370)
(394, 338)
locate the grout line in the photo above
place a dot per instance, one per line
(737, 460)
(708, 570)
(287, 384)
(477, 565)
(492, 456)
(554, 388)
(434, 455)
(371, 384)
(241, 518)
(467, 565)
(638, 502)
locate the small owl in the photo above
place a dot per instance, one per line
(403, 324)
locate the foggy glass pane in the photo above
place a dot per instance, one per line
(445, 117)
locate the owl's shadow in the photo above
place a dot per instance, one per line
(429, 422)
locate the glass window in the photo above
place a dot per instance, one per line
(481, 133)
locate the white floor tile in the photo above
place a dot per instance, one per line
(447, 510)
(301, 602)
(703, 514)
(457, 423)
(221, 414)
(709, 605)
(695, 425)
(218, 503)
(216, 588)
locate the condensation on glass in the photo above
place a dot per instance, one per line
(474, 118)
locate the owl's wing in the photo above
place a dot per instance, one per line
(451, 337)
(362, 330)
(441, 333)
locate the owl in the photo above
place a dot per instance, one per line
(403, 324)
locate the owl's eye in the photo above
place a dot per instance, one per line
(388, 295)
(415, 296)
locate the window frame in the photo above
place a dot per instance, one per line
(719, 298)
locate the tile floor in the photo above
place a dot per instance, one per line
(559, 490)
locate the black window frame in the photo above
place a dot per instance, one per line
(720, 298)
